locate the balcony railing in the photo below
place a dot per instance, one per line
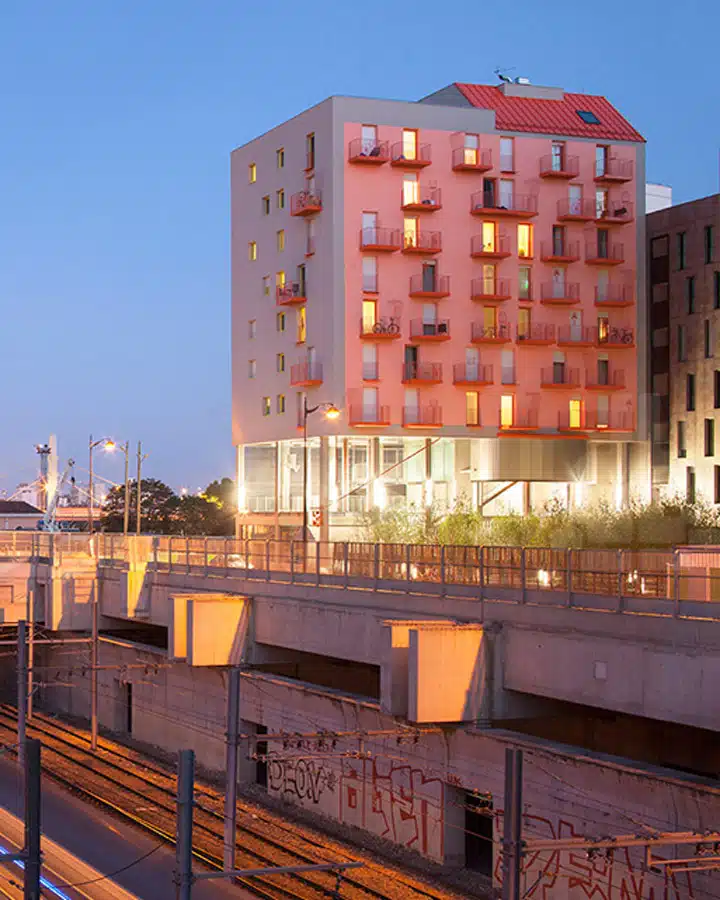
(556, 292)
(424, 199)
(616, 295)
(422, 242)
(552, 166)
(400, 155)
(614, 336)
(614, 169)
(576, 335)
(490, 289)
(429, 284)
(610, 420)
(368, 414)
(483, 203)
(470, 159)
(480, 248)
(290, 293)
(576, 209)
(559, 375)
(597, 254)
(365, 150)
(424, 373)
(383, 328)
(612, 379)
(560, 251)
(535, 333)
(432, 331)
(616, 212)
(426, 415)
(305, 203)
(306, 374)
(385, 239)
(489, 334)
(467, 373)
(523, 418)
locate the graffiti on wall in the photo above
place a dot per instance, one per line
(302, 779)
(619, 875)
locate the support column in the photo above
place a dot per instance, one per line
(621, 476)
(428, 487)
(276, 533)
(527, 498)
(325, 488)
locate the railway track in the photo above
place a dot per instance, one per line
(126, 783)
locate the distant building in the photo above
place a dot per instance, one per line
(657, 197)
(28, 493)
(17, 515)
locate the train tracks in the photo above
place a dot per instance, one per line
(129, 785)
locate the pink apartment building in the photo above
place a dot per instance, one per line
(464, 278)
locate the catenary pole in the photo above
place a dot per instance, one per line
(231, 767)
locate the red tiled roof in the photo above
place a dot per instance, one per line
(551, 116)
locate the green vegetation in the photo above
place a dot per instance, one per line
(663, 524)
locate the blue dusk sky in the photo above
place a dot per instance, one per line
(117, 121)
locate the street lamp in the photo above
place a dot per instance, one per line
(331, 412)
(91, 501)
(110, 447)
(141, 457)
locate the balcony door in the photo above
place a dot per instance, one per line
(412, 405)
(601, 160)
(470, 150)
(429, 279)
(603, 411)
(558, 240)
(524, 323)
(575, 410)
(488, 237)
(557, 155)
(489, 193)
(558, 368)
(603, 243)
(369, 362)
(370, 404)
(576, 325)
(489, 279)
(369, 316)
(507, 367)
(369, 227)
(429, 318)
(368, 138)
(506, 193)
(507, 408)
(603, 284)
(410, 362)
(411, 231)
(603, 370)
(411, 189)
(472, 363)
(489, 318)
(558, 282)
(574, 199)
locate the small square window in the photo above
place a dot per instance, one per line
(589, 118)
(266, 406)
(280, 403)
(252, 328)
(280, 321)
(281, 240)
(266, 205)
(280, 360)
(252, 251)
(280, 157)
(252, 368)
(280, 199)
(252, 173)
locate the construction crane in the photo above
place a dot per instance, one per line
(48, 521)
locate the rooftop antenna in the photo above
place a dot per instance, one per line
(501, 73)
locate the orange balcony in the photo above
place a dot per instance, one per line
(490, 290)
(482, 249)
(576, 336)
(426, 415)
(425, 199)
(290, 293)
(524, 419)
(560, 251)
(430, 331)
(386, 328)
(469, 159)
(418, 159)
(611, 380)
(368, 415)
(422, 242)
(556, 293)
(559, 166)
(617, 212)
(620, 420)
(490, 334)
(305, 203)
(613, 170)
(597, 254)
(559, 376)
(519, 206)
(576, 210)
(613, 296)
(428, 285)
(538, 334)
(473, 375)
(306, 374)
(614, 337)
(368, 152)
(422, 373)
(385, 240)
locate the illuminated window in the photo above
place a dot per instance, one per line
(280, 403)
(603, 326)
(252, 328)
(410, 230)
(489, 317)
(506, 410)
(411, 189)
(266, 285)
(252, 251)
(525, 241)
(523, 323)
(280, 199)
(266, 406)
(280, 158)
(409, 143)
(369, 315)
(470, 150)
(472, 408)
(252, 173)
(266, 205)
(279, 279)
(280, 321)
(281, 240)
(524, 284)
(575, 413)
(489, 231)
(252, 368)
(301, 325)
(280, 362)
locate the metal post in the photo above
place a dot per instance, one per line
(443, 586)
(30, 657)
(620, 572)
(90, 488)
(676, 582)
(523, 572)
(231, 767)
(346, 562)
(126, 507)
(184, 825)
(304, 483)
(512, 837)
(318, 560)
(569, 577)
(138, 499)
(31, 882)
(267, 560)
(21, 687)
(94, 672)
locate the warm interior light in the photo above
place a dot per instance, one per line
(332, 412)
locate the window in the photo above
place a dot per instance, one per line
(368, 139)
(601, 203)
(603, 328)
(266, 285)
(708, 242)
(369, 316)
(279, 279)
(301, 325)
(302, 280)
(252, 251)
(266, 205)
(507, 162)
(558, 240)
(524, 286)
(506, 410)
(280, 199)
(716, 389)
(557, 156)
(252, 368)
(411, 189)
(506, 193)
(252, 328)
(309, 237)
(310, 151)
(575, 413)
(472, 408)
(708, 341)
(281, 240)
(410, 232)
(507, 367)
(690, 392)
(601, 160)
(252, 173)
(709, 437)
(681, 344)
(690, 294)
(716, 470)
(525, 241)
(369, 274)
(681, 247)
(690, 485)
(280, 403)
(409, 143)
(369, 362)
(280, 158)
(280, 321)
(716, 290)
(489, 279)
(589, 118)
(681, 445)
(470, 149)
(524, 322)
(489, 241)
(280, 362)
(266, 406)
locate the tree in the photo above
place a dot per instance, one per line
(159, 508)
(199, 515)
(223, 492)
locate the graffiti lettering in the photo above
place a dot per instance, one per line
(305, 779)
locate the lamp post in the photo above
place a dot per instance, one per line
(110, 446)
(91, 500)
(140, 459)
(331, 412)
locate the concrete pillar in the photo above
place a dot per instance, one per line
(527, 498)
(622, 476)
(277, 492)
(325, 488)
